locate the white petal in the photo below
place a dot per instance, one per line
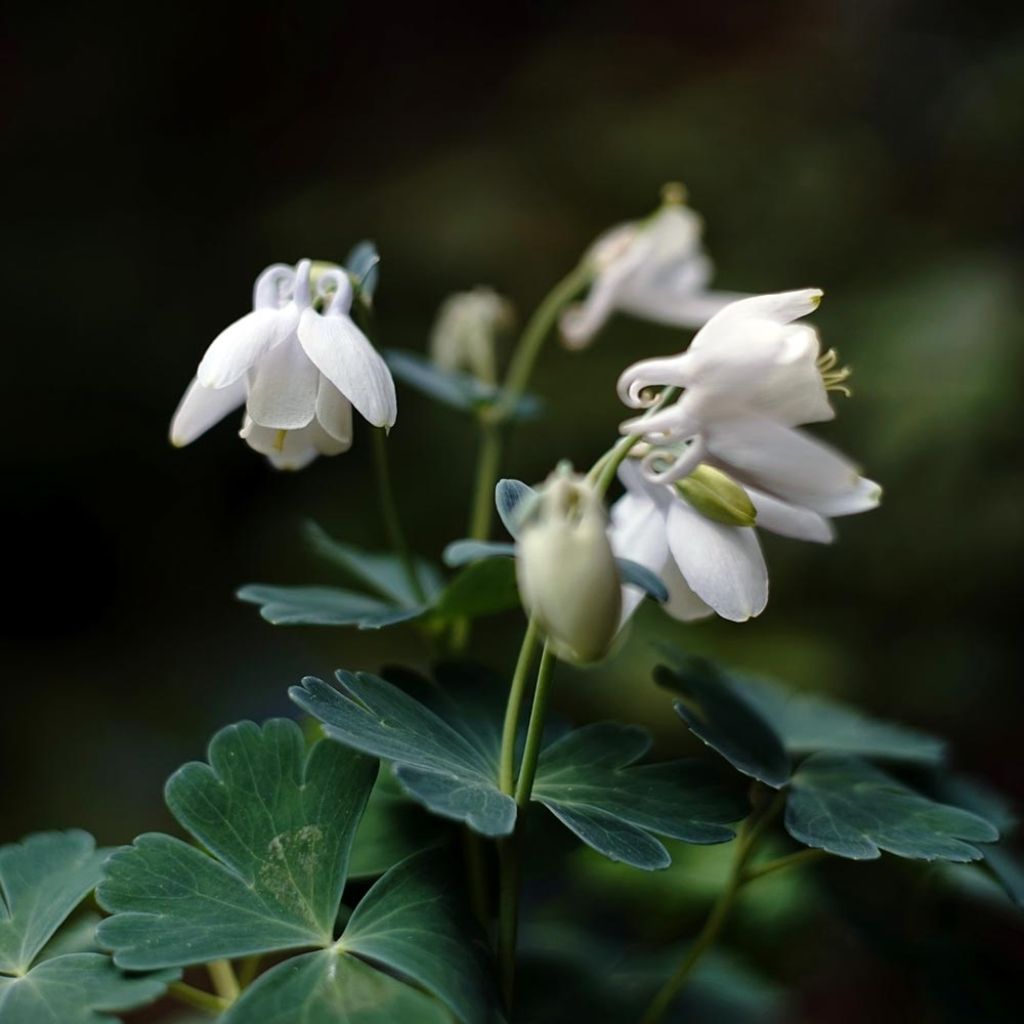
(722, 564)
(273, 286)
(790, 520)
(791, 465)
(676, 306)
(241, 344)
(683, 604)
(290, 449)
(200, 408)
(344, 355)
(334, 412)
(638, 533)
(778, 307)
(284, 388)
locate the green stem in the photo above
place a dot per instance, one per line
(196, 998)
(535, 730)
(513, 709)
(488, 465)
(225, 984)
(389, 509)
(603, 471)
(532, 339)
(247, 970)
(750, 835)
(792, 860)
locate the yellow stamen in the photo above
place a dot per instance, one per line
(279, 441)
(834, 379)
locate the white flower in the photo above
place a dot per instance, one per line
(465, 332)
(749, 360)
(298, 371)
(655, 269)
(568, 580)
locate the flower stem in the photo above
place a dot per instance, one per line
(536, 330)
(197, 998)
(513, 709)
(535, 730)
(389, 509)
(747, 841)
(488, 465)
(225, 984)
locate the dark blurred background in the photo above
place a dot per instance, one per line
(158, 159)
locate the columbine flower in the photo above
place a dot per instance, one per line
(466, 330)
(568, 580)
(728, 455)
(655, 269)
(297, 370)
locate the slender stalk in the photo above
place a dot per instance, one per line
(247, 970)
(747, 841)
(792, 860)
(513, 709)
(389, 509)
(535, 730)
(196, 998)
(225, 984)
(536, 330)
(488, 464)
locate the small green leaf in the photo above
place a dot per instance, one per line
(46, 976)
(483, 588)
(852, 809)
(590, 782)
(383, 572)
(323, 606)
(724, 719)
(441, 766)
(278, 825)
(462, 552)
(807, 723)
(77, 988)
(457, 390)
(636, 575)
(510, 497)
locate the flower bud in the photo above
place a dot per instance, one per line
(466, 330)
(567, 575)
(716, 495)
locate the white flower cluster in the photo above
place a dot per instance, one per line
(299, 365)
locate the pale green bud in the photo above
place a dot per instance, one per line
(567, 575)
(717, 496)
(465, 334)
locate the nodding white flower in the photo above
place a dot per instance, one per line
(466, 330)
(654, 269)
(750, 359)
(298, 369)
(568, 580)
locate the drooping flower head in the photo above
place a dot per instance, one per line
(568, 580)
(298, 363)
(727, 456)
(654, 269)
(465, 332)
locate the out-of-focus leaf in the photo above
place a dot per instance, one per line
(636, 575)
(382, 571)
(46, 976)
(363, 263)
(724, 720)
(453, 388)
(590, 781)
(482, 588)
(462, 552)
(323, 606)
(807, 723)
(852, 809)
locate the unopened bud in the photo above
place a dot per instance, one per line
(465, 333)
(567, 575)
(717, 496)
